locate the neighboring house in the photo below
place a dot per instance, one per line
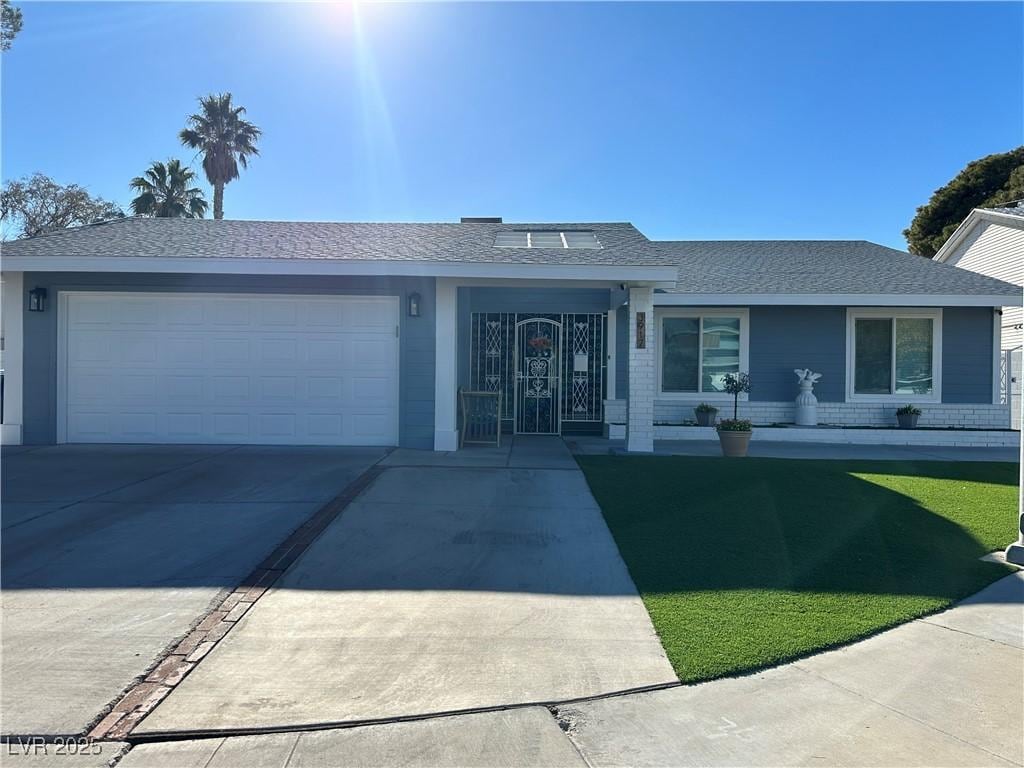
(990, 241)
(201, 331)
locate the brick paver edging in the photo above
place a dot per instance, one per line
(139, 700)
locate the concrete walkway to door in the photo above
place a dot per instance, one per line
(440, 588)
(515, 451)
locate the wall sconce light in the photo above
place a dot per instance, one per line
(37, 300)
(414, 305)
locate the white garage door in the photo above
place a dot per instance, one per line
(229, 368)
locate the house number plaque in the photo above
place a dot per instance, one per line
(641, 330)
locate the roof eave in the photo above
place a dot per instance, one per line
(658, 276)
(837, 299)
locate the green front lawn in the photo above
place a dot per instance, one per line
(744, 563)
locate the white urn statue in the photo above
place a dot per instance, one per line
(806, 402)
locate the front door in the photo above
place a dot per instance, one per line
(537, 377)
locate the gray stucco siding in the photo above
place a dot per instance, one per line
(967, 337)
(416, 349)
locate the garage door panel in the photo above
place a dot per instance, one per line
(326, 352)
(325, 388)
(139, 388)
(186, 427)
(281, 350)
(276, 313)
(230, 388)
(90, 347)
(138, 313)
(188, 389)
(136, 349)
(229, 312)
(181, 313)
(89, 311)
(327, 315)
(229, 351)
(137, 426)
(91, 387)
(279, 388)
(231, 369)
(277, 425)
(371, 353)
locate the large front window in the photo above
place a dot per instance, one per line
(698, 348)
(894, 355)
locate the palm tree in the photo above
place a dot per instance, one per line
(225, 140)
(164, 192)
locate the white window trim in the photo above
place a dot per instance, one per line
(934, 314)
(696, 397)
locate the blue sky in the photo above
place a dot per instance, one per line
(690, 120)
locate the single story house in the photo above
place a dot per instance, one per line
(199, 331)
(990, 241)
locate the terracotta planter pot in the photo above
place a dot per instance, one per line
(907, 420)
(734, 444)
(705, 418)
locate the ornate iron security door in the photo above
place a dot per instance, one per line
(538, 376)
(582, 361)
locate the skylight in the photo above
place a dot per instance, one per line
(546, 239)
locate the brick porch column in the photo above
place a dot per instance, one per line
(640, 409)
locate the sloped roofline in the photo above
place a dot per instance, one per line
(974, 218)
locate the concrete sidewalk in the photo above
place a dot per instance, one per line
(945, 690)
(942, 691)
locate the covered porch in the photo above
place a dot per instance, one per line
(547, 356)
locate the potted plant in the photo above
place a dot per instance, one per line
(705, 413)
(734, 434)
(907, 416)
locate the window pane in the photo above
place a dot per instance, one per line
(721, 351)
(510, 240)
(914, 356)
(546, 240)
(680, 354)
(872, 365)
(581, 240)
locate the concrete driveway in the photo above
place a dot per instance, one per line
(110, 553)
(940, 691)
(442, 587)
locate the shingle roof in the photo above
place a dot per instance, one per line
(622, 244)
(1017, 210)
(704, 266)
(818, 267)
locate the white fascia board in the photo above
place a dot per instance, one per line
(835, 299)
(659, 276)
(974, 218)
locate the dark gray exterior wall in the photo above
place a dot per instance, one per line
(416, 375)
(784, 338)
(967, 355)
(621, 353)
